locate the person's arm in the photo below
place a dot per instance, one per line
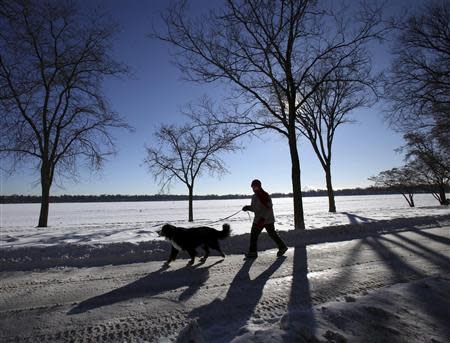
(250, 207)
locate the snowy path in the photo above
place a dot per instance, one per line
(144, 303)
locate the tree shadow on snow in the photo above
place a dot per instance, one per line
(355, 219)
(83, 255)
(432, 236)
(420, 250)
(426, 298)
(160, 281)
(300, 321)
(239, 303)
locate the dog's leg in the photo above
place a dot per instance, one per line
(173, 255)
(220, 251)
(216, 246)
(206, 248)
(192, 253)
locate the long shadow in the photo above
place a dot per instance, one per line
(300, 315)
(300, 320)
(432, 236)
(157, 282)
(239, 303)
(345, 276)
(421, 250)
(428, 300)
(396, 264)
(354, 218)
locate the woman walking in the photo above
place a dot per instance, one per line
(261, 205)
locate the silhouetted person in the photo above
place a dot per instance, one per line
(264, 218)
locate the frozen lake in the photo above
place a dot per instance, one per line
(138, 221)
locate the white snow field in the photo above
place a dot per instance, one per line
(118, 222)
(376, 271)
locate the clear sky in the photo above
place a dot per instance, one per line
(154, 96)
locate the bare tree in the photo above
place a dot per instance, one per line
(184, 153)
(432, 162)
(405, 180)
(418, 82)
(53, 111)
(266, 50)
(329, 107)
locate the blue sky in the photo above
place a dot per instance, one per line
(154, 96)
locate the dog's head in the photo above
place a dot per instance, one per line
(166, 231)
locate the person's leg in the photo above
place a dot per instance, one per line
(254, 234)
(282, 247)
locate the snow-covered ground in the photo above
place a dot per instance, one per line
(100, 223)
(376, 271)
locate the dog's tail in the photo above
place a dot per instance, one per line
(226, 230)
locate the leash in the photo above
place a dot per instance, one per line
(225, 218)
(216, 221)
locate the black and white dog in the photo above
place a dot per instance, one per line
(190, 239)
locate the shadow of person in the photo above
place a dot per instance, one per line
(157, 282)
(237, 307)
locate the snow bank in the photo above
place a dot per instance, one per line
(96, 234)
(89, 255)
(134, 222)
(400, 313)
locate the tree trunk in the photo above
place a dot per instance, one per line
(299, 221)
(411, 200)
(46, 182)
(330, 191)
(191, 200)
(442, 195)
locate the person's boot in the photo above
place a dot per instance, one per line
(281, 251)
(250, 255)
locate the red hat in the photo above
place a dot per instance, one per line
(256, 182)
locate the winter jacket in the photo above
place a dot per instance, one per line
(263, 213)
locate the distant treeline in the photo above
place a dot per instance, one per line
(21, 199)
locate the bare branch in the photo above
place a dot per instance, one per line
(267, 51)
(52, 64)
(185, 152)
(417, 84)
